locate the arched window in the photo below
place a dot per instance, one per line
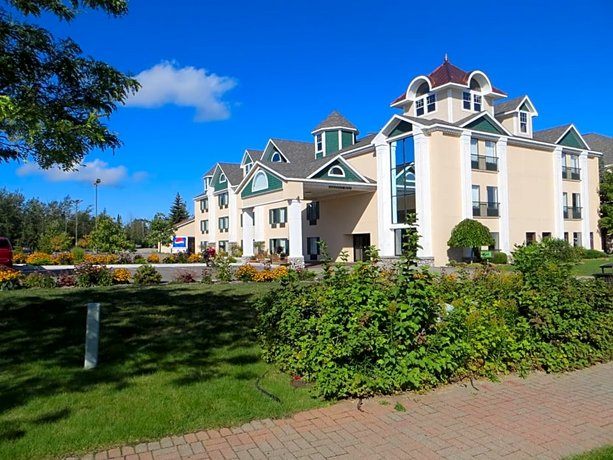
(474, 85)
(336, 171)
(260, 182)
(222, 178)
(423, 89)
(276, 157)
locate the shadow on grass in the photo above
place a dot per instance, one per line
(143, 331)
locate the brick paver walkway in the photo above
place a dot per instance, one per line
(543, 416)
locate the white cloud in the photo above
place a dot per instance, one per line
(187, 87)
(87, 172)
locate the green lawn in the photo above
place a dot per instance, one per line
(173, 359)
(588, 267)
(603, 453)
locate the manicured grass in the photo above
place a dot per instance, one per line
(173, 359)
(588, 267)
(603, 453)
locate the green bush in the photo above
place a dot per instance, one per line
(78, 254)
(590, 253)
(38, 280)
(88, 274)
(147, 275)
(499, 258)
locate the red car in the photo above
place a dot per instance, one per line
(6, 252)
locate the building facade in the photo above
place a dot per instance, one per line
(459, 148)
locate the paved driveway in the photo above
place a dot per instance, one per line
(543, 416)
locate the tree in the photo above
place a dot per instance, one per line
(137, 230)
(178, 211)
(52, 98)
(606, 208)
(470, 234)
(109, 236)
(160, 231)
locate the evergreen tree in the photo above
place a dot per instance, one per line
(178, 211)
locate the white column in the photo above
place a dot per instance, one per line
(423, 193)
(558, 208)
(466, 176)
(234, 216)
(503, 196)
(295, 233)
(585, 200)
(259, 222)
(248, 233)
(385, 242)
(213, 203)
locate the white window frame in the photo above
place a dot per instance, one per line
(473, 97)
(276, 158)
(523, 124)
(222, 178)
(263, 185)
(223, 200)
(332, 171)
(431, 101)
(278, 216)
(420, 104)
(319, 142)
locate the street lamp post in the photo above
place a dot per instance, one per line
(96, 183)
(76, 221)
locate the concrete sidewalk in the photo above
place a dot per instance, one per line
(543, 416)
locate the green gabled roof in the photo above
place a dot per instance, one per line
(274, 184)
(486, 125)
(572, 139)
(349, 174)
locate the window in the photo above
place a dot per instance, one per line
(224, 224)
(313, 246)
(204, 205)
(223, 200)
(496, 237)
(491, 159)
(203, 245)
(319, 144)
(570, 167)
(545, 236)
(566, 237)
(419, 107)
(276, 157)
(223, 246)
(530, 238)
(399, 239)
(476, 103)
(278, 216)
(466, 100)
(336, 171)
(431, 102)
(204, 226)
(260, 182)
(576, 239)
(248, 167)
(313, 212)
(476, 193)
(279, 246)
(489, 162)
(591, 240)
(474, 146)
(523, 122)
(492, 201)
(402, 159)
(222, 178)
(576, 201)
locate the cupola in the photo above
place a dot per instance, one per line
(333, 134)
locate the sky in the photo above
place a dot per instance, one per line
(219, 77)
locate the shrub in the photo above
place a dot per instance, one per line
(590, 253)
(140, 260)
(9, 278)
(170, 259)
(39, 280)
(185, 277)
(245, 272)
(153, 259)
(499, 258)
(78, 254)
(66, 281)
(88, 274)
(194, 258)
(222, 264)
(121, 276)
(125, 258)
(39, 258)
(62, 258)
(147, 275)
(207, 276)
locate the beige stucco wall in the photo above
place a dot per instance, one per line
(446, 189)
(341, 218)
(365, 164)
(531, 197)
(594, 180)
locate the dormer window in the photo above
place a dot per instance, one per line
(276, 157)
(431, 103)
(476, 102)
(222, 178)
(523, 122)
(471, 101)
(248, 167)
(419, 107)
(424, 101)
(336, 171)
(260, 182)
(319, 143)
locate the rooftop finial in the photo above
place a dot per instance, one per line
(446, 58)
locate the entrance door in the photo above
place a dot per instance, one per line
(191, 245)
(360, 245)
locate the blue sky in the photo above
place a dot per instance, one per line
(219, 77)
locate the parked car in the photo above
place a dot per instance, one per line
(6, 252)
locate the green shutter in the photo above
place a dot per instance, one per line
(347, 139)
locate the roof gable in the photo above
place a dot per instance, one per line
(261, 182)
(572, 138)
(335, 120)
(566, 135)
(485, 123)
(337, 170)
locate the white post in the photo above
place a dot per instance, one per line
(504, 239)
(558, 201)
(585, 200)
(296, 257)
(466, 176)
(385, 234)
(247, 234)
(92, 335)
(423, 194)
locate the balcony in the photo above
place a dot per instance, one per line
(571, 173)
(484, 209)
(572, 213)
(483, 163)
